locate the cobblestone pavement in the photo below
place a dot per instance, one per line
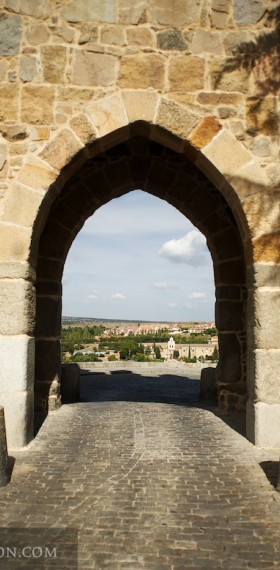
(150, 479)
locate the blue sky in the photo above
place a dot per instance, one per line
(139, 258)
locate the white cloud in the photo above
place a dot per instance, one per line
(163, 285)
(190, 249)
(118, 296)
(197, 295)
(93, 296)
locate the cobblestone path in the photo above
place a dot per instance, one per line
(149, 478)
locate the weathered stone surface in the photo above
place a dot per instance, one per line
(63, 33)
(3, 69)
(204, 132)
(175, 118)
(19, 414)
(83, 128)
(248, 13)
(226, 153)
(138, 36)
(264, 317)
(261, 146)
(107, 114)
(237, 42)
(22, 205)
(234, 79)
(112, 35)
(37, 34)
(94, 69)
(28, 68)
(88, 11)
(132, 12)
(34, 8)
(220, 11)
(263, 424)
(263, 274)
(10, 34)
(61, 149)
(17, 304)
(32, 110)
(37, 174)
(207, 42)
(142, 72)
(88, 34)
(176, 13)
(262, 212)
(21, 368)
(14, 243)
(48, 313)
(262, 115)
(53, 62)
(186, 73)
(212, 98)
(8, 103)
(171, 40)
(140, 105)
(266, 248)
(261, 371)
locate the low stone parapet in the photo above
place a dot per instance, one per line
(208, 388)
(70, 383)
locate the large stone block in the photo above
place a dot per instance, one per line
(142, 71)
(10, 34)
(264, 317)
(95, 69)
(208, 387)
(266, 248)
(14, 242)
(262, 212)
(248, 13)
(9, 95)
(176, 13)
(61, 149)
(47, 361)
(36, 174)
(32, 109)
(207, 129)
(140, 105)
(207, 42)
(263, 275)
(34, 8)
(226, 153)
(88, 11)
(132, 12)
(17, 307)
(263, 424)
(262, 115)
(186, 73)
(177, 119)
(22, 205)
(107, 114)
(19, 417)
(17, 374)
(54, 62)
(28, 68)
(4, 459)
(263, 375)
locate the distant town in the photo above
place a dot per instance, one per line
(101, 340)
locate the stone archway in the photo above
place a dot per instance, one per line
(142, 158)
(119, 144)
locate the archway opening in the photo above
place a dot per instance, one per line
(139, 162)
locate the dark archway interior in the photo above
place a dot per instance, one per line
(107, 173)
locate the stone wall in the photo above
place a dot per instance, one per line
(200, 79)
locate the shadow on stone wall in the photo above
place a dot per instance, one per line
(260, 56)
